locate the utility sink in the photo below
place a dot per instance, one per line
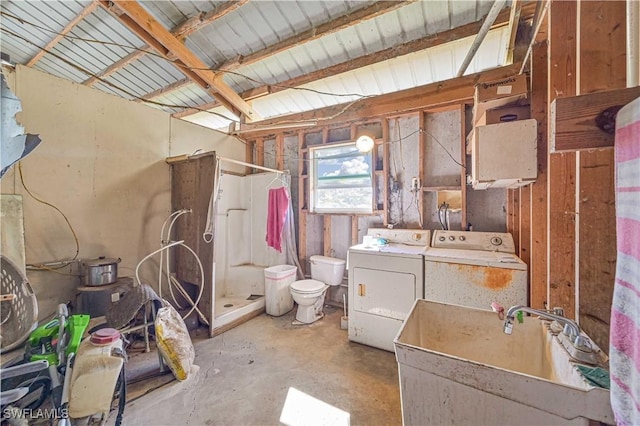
(457, 366)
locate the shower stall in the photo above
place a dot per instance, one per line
(241, 253)
(234, 253)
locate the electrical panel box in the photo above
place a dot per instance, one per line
(504, 155)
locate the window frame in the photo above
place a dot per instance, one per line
(313, 180)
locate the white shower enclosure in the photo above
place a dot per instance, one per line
(241, 253)
(234, 263)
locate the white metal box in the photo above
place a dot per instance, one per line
(504, 155)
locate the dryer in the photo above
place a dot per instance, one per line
(384, 281)
(474, 269)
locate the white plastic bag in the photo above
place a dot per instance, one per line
(174, 342)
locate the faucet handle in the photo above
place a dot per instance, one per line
(558, 311)
(569, 332)
(582, 343)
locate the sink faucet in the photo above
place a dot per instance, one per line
(571, 329)
(578, 346)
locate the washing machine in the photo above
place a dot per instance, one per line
(385, 277)
(474, 269)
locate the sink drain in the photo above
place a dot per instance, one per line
(228, 305)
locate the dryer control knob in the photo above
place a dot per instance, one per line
(496, 241)
(462, 238)
(441, 238)
(452, 238)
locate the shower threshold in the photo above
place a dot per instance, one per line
(232, 311)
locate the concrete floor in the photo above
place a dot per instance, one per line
(245, 375)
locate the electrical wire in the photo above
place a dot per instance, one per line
(443, 147)
(73, 232)
(115, 86)
(148, 51)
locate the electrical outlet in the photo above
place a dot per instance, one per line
(415, 184)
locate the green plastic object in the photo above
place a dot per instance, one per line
(46, 331)
(520, 317)
(43, 340)
(76, 326)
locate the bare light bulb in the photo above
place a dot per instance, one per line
(364, 143)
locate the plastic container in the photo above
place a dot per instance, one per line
(95, 373)
(277, 280)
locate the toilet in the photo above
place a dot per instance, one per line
(309, 294)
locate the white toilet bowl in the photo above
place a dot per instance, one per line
(309, 294)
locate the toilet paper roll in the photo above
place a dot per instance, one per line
(343, 322)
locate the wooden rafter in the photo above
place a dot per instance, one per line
(151, 31)
(182, 31)
(514, 19)
(75, 21)
(340, 23)
(373, 58)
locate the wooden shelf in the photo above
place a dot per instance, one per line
(441, 188)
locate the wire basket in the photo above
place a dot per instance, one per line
(18, 316)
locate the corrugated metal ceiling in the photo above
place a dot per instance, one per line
(100, 40)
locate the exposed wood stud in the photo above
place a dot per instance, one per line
(463, 169)
(562, 167)
(88, 10)
(385, 167)
(259, 152)
(248, 155)
(525, 224)
(354, 229)
(603, 68)
(326, 240)
(422, 143)
(538, 264)
(280, 151)
(302, 213)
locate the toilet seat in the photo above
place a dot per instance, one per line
(307, 286)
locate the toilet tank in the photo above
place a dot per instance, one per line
(327, 269)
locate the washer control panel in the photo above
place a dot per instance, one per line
(411, 237)
(466, 240)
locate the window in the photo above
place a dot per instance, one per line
(341, 179)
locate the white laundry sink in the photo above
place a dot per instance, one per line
(457, 366)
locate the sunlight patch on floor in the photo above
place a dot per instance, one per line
(301, 409)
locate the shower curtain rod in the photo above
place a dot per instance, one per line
(242, 163)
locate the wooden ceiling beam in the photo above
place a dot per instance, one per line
(181, 31)
(195, 23)
(158, 37)
(88, 10)
(335, 25)
(428, 97)
(433, 40)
